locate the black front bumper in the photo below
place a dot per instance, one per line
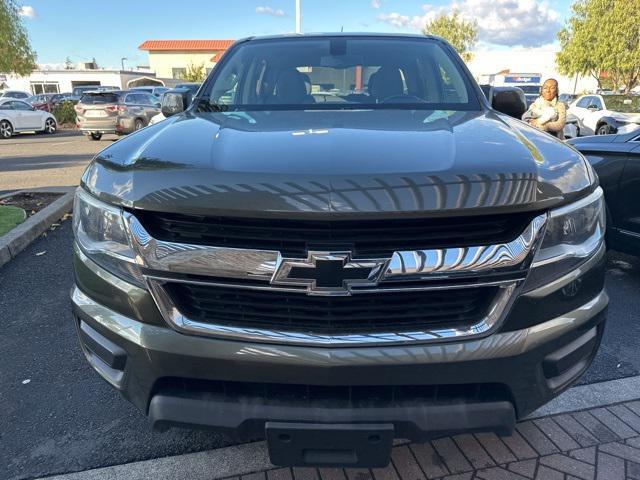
(201, 382)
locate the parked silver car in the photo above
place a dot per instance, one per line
(115, 112)
(136, 112)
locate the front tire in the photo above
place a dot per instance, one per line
(96, 136)
(6, 129)
(138, 125)
(603, 129)
(50, 126)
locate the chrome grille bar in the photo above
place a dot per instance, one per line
(236, 263)
(182, 323)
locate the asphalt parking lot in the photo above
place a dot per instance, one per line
(37, 160)
(58, 416)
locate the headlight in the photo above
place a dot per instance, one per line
(100, 232)
(572, 235)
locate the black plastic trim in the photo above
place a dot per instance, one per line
(110, 353)
(417, 421)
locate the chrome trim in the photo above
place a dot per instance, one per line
(181, 323)
(266, 265)
(628, 233)
(149, 340)
(199, 259)
(466, 259)
(426, 287)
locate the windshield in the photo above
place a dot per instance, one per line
(81, 90)
(530, 89)
(100, 98)
(332, 73)
(623, 103)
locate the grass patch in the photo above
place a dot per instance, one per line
(10, 217)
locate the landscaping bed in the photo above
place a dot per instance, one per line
(30, 202)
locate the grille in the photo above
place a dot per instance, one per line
(362, 313)
(366, 238)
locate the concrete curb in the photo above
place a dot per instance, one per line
(21, 236)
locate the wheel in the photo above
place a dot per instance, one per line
(6, 129)
(603, 129)
(138, 125)
(96, 136)
(50, 126)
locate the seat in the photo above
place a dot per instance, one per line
(385, 83)
(291, 89)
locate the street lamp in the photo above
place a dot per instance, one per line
(122, 61)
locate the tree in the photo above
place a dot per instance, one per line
(602, 36)
(460, 33)
(194, 73)
(16, 54)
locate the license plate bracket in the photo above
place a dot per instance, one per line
(329, 445)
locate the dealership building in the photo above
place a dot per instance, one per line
(170, 58)
(500, 67)
(61, 81)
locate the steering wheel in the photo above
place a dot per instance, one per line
(403, 98)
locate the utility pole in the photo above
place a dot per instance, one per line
(298, 17)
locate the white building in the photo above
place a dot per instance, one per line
(62, 81)
(541, 61)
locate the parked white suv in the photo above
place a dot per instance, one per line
(603, 114)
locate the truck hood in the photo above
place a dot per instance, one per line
(319, 163)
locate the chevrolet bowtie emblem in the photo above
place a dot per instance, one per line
(329, 273)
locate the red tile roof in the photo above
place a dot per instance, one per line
(208, 45)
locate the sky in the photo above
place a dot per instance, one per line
(82, 30)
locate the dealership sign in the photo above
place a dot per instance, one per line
(522, 79)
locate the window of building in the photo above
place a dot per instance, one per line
(44, 87)
(179, 73)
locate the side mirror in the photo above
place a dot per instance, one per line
(175, 101)
(510, 101)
